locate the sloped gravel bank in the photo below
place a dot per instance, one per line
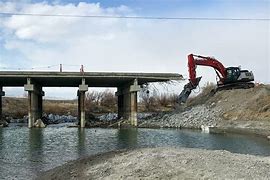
(164, 163)
(192, 118)
(239, 110)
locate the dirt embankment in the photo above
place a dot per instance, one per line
(164, 163)
(243, 104)
(246, 110)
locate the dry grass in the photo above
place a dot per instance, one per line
(238, 104)
(18, 107)
(61, 107)
(249, 104)
(15, 107)
(96, 102)
(207, 91)
(157, 102)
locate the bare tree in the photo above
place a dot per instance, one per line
(109, 101)
(104, 101)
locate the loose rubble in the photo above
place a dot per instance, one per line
(56, 119)
(192, 118)
(48, 119)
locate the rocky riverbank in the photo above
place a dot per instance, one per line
(48, 119)
(191, 118)
(241, 111)
(164, 163)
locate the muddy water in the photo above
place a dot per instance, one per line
(26, 152)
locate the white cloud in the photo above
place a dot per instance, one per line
(132, 45)
(55, 29)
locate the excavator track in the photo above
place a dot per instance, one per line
(238, 85)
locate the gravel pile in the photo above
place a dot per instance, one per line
(164, 163)
(192, 118)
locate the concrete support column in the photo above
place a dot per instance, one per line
(35, 102)
(120, 104)
(2, 93)
(81, 103)
(133, 108)
(79, 107)
(127, 102)
(40, 104)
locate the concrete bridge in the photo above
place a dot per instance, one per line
(128, 84)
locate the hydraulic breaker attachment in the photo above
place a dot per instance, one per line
(182, 98)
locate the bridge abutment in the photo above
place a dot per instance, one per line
(127, 102)
(2, 93)
(35, 102)
(83, 88)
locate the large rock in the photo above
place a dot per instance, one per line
(39, 124)
(3, 123)
(56, 119)
(108, 117)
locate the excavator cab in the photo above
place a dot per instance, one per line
(233, 74)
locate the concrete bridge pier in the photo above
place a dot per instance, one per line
(2, 93)
(35, 101)
(81, 103)
(127, 102)
(120, 103)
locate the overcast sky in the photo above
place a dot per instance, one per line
(134, 45)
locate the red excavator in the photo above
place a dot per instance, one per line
(228, 78)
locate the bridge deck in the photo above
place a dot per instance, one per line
(73, 79)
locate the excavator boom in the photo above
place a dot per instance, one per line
(194, 60)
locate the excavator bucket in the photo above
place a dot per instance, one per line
(182, 98)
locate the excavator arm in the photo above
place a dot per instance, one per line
(193, 61)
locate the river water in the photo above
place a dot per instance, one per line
(24, 153)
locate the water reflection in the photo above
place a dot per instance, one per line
(127, 138)
(25, 152)
(186, 139)
(236, 144)
(81, 142)
(36, 155)
(1, 138)
(1, 147)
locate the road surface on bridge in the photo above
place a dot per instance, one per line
(73, 79)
